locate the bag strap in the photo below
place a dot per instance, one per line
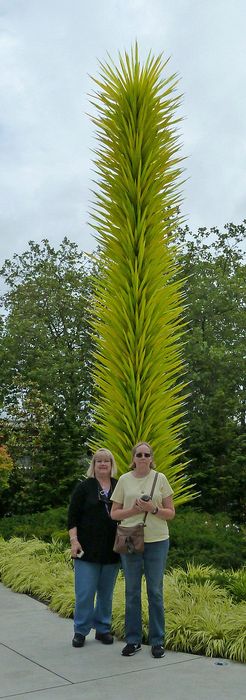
(151, 493)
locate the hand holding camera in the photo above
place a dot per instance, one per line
(80, 554)
(77, 554)
(142, 503)
(76, 549)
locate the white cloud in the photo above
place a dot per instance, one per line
(47, 51)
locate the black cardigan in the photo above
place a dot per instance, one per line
(95, 529)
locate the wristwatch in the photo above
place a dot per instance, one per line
(155, 511)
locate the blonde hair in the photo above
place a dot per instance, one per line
(99, 453)
(134, 450)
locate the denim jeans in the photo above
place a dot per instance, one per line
(152, 563)
(93, 580)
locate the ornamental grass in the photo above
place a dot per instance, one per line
(201, 616)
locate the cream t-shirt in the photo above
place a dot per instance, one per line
(129, 488)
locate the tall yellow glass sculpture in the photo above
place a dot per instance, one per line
(138, 321)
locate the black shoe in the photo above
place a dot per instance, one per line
(78, 640)
(104, 637)
(130, 649)
(158, 651)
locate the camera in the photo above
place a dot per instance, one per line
(145, 497)
(80, 554)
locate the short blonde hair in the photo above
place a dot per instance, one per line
(99, 453)
(134, 450)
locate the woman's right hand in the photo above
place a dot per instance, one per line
(75, 548)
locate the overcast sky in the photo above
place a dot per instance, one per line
(48, 50)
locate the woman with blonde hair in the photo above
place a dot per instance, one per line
(92, 534)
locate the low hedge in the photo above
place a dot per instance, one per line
(206, 539)
(195, 536)
(49, 524)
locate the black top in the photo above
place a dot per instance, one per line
(95, 529)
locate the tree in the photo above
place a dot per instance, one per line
(214, 267)
(25, 427)
(46, 341)
(6, 466)
(138, 309)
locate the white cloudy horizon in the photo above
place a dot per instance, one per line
(48, 52)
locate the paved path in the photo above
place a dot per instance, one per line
(38, 662)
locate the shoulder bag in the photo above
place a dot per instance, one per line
(130, 540)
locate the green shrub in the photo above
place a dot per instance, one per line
(234, 582)
(45, 525)
(201, 617)
(43, 569)
(205, 539)
(197, 537)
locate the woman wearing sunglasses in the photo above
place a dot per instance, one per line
(92, 534)
(130, 506)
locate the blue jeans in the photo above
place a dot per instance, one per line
(152, 563)
(93, 580)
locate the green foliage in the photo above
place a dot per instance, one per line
(229, 581)
(206, 539)
(235, 583)
(203, 620)
(26, 420)
(41, 569)
(214, 267)
(26, 427)
(138, 319)
(197, 537)
(200, 615)
(6, 466)
(46, 429)
(51, 524)
(45, 438)
(46, 381)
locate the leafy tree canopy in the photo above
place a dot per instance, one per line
(45, 369)
(214, 266)
(45, 343)
(6, 466)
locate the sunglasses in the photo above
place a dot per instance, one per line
(142, 454)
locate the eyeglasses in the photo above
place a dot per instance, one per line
(142, 454)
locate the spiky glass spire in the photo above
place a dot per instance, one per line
(138, 324)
